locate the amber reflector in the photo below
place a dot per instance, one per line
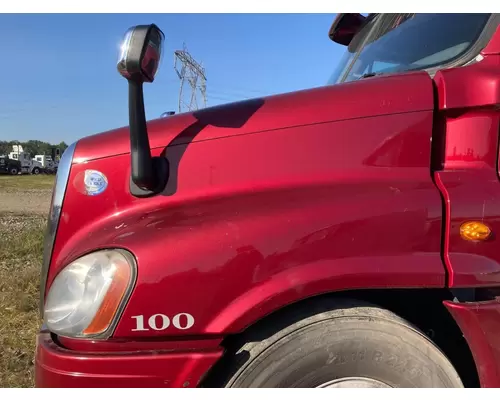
(474, 230)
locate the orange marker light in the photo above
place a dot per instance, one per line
(474, 231)
(110, 304)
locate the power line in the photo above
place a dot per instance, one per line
(230, 89)
(191, 73)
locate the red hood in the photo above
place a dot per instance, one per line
(368, 97)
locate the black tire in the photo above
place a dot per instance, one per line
(314, 344)
(35, 171)
(13, 171)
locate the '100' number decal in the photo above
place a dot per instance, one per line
(160, 322)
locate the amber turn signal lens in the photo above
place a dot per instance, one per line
(111, 301)
(474, 230)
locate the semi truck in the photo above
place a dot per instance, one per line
(338, 236)
(28, 165)
(34, 165)
(9, 166)
(49, 165)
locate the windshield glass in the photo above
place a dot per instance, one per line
(403, 42)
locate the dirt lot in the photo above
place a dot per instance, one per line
(25, 194)
(24, 205)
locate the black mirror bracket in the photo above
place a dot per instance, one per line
(149, 174)
(161, 168)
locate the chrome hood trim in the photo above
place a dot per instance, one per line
(58, 193)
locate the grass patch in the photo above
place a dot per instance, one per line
(26, 182)
(20, 262)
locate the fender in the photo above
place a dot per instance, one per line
(307, 280)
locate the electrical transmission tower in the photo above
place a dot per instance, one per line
(191, 74)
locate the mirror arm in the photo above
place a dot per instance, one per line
(142, 171)
(148, 174)
(138, 62)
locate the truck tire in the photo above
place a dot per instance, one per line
(13, 171)
(35, 171)
(348, 344)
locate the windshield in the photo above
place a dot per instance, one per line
(390, 43)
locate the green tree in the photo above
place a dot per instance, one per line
(4, 147)
(62, 146)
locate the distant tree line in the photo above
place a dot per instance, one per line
(33, 147)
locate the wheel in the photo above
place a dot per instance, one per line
(332, 345)
(35, 171)
(13, 171)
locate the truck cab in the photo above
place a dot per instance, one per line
(28, 165)
(47, 163)
(340, 236)
(9, 166)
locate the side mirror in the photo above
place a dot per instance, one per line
(140, 57)
(141, 53)
(344, 27)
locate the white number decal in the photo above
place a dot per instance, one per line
(160, 322)
(165, 322)
(176, 321)
(139, 323)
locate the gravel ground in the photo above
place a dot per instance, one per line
(25, 201)
(24, 207)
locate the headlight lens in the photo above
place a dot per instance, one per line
(87, 295)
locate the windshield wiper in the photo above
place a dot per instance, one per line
(369, 75)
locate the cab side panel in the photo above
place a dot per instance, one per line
(469, 100)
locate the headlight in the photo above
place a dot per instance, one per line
(88, 295)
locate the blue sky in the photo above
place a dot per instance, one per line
(58, 78)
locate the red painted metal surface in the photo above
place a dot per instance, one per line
(58, 367)
(480, 324)
(180, 343)
(372, 97)
(493, 46)
(468, 177)
(252, 222)
(476, 85)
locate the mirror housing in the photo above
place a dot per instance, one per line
(138, 63)
(344, 27)
(141, 53)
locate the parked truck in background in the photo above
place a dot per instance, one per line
(41, 163)
(9, 166)
(28, 164)
(341, 236)
(48, 164)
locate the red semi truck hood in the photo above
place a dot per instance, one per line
(313, 186)
(375, 96)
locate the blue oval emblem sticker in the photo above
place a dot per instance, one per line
(95, 182)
